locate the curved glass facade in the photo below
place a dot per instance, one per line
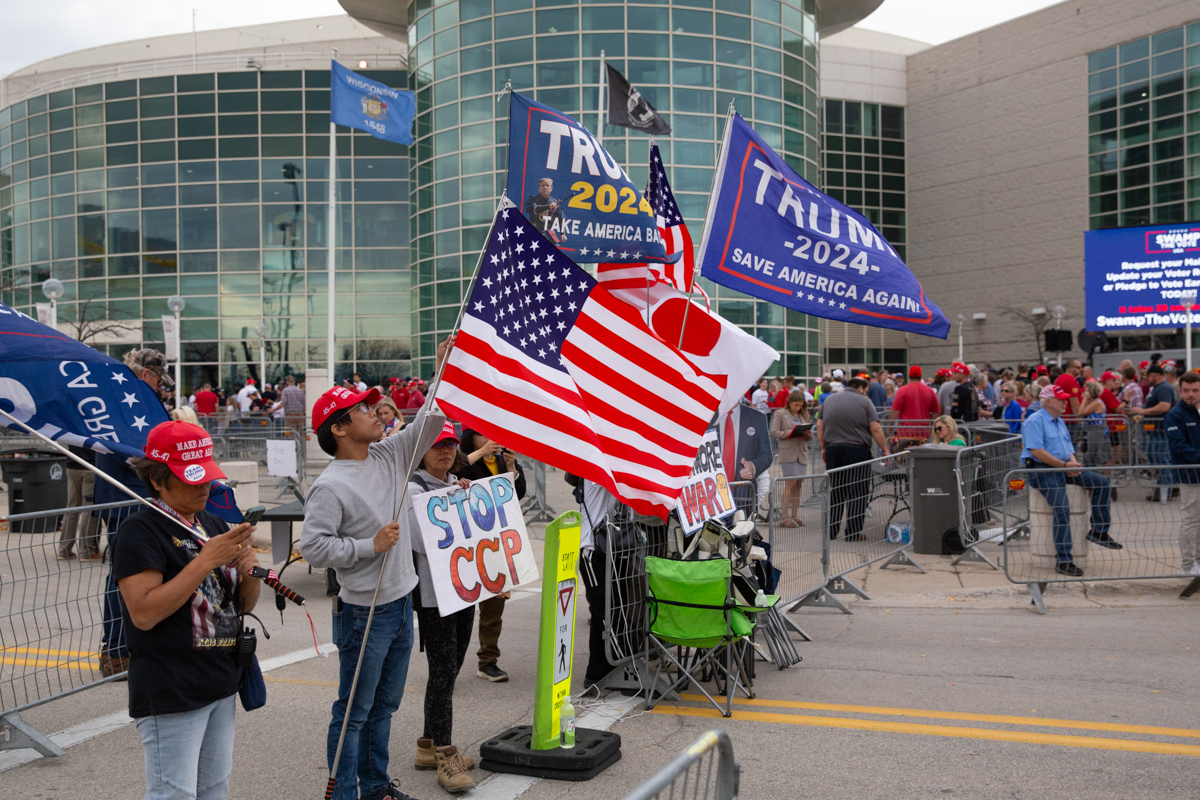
(212, 186)
(689, 58)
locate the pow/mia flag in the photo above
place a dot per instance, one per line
(627, 107)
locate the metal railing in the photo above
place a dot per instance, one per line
(51, 615)
(629, 538)
(706, 770)
(980, 472)
(1089, 522)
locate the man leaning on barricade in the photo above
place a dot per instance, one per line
(1047, 446)
(1182, 426)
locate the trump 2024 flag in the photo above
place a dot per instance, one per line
(549, 363)
(573, 192)
(772, 235)
(371, 106)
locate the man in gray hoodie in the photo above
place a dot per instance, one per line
(349, 526)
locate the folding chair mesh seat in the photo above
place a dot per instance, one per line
(690, 604)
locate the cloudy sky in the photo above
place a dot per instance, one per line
(41, 29)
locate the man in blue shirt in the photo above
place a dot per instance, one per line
(1182, 426)
(1047, 446)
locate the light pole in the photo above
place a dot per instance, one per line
(53, 289)
(1058, 313)
(1189, 300)
(961, 320)
(261, 330)
(177, 304)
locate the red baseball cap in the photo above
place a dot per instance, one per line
(1143, 364)
(943, 372)
(186, 448)
(336, 399)
(959, 368)
(1042, 370)
(448, 432)
(1109, 375)
(914, 371)
(1053, 390)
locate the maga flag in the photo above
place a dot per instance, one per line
(71, 393)
(573, 191)
(627, 107)
(371, 106)
(773, 235)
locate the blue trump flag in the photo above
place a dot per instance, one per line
(370, 106)
(772, 235)
(71, 393)
(574, 192)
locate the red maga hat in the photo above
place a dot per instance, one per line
(914, 371)
(336, 399)
(959, 368)
(1053, 391)
(186, 448)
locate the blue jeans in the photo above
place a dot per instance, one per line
(1053, 486)
(380, 688)
(1158, 452)
(189, 754)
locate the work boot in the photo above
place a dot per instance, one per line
(427, 756)
(451, 772)
(112, 665)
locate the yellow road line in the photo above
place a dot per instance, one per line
(1023, 737)
(45, 662)
(47, 652)
(1114, 727)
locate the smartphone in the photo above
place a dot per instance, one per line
(254, 515)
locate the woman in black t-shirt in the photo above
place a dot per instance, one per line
(183, 578)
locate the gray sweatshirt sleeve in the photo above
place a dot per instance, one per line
(410, 518)
(319, 541)
(402, 445)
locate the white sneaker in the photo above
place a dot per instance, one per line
(1191, 572)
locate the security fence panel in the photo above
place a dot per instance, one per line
(51, 614)
(628, 539)
(706, 770)
(1074, 517)
(983, 526)
(796, 534)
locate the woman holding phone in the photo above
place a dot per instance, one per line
(184, 576)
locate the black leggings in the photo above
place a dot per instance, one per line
(446, 640)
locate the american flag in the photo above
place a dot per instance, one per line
(674, 232)
(549, 363)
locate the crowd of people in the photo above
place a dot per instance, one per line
(181, 599)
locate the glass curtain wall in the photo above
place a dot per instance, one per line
(214, 187)
(1144, 124)
(689, 58)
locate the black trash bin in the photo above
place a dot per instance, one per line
(935, 500)
(37, 481)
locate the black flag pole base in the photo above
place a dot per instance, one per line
(594, 752)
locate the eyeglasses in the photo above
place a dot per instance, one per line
(344, 415)
(445, 443)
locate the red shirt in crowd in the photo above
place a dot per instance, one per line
(915, 401)
(779, 400)
(1068, 384)
(400, 397)
(206, 402)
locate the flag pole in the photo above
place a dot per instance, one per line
(332, 228)
(600, 100)
(711, 200)
(412, 465)
(99, 472)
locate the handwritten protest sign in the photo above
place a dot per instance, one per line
(475, 541)
(706, 495)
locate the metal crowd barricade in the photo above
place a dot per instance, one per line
(980, 471)
(865, 514)
(253, 447)
(629, 538)
(1148, 532)
(534, 506)
(797, 551)
(706, 770)
(51, 620)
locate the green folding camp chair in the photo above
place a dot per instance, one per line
(691, 604)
